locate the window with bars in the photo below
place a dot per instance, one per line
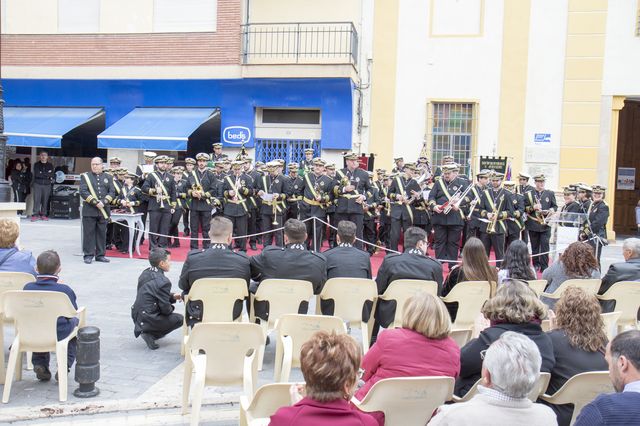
(291, 151)
(452, 127)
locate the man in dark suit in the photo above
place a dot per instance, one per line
(351, 187)
(161, 190)
(539, 203)
(217, 261)
(629, 270)
(412, 264)
(203, 190)
(344, 260)
(293, 261)
(97, 193)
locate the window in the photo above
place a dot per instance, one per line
(291, 116)
(452, 127)
(78, 16)
(184, 16)
(291, 151)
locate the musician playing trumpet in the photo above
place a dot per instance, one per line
(159, 187)
(404, 193)
(539, 203)
(316, 190)
(495, 207)
(445, 201)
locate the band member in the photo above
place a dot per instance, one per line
(236, 188)
(189, 166)
(160, 189)
(570, 204)
(306, 165)
(316, 189)
(352, 184)
(142, 170)
(384, 206)
(445, 200)
(522, 189)
(494, 208)
(129, 200)
(515, 221)
(398, 165)
(181, 189)
(272, 189)
(254, 225)
(583, 196)
(331, 208)
(96, 191)
(446, 161)
(403, 193)
(370, 207)
(117, 174)
(594, 230)
(473, 198)
(114, 164)
(203, 192)
(295, 183)
(539, 203)
(217, 152)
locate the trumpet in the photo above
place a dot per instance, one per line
(491, 227)
(160, 196)
(274, 210)
(196, 187)
(456, 200)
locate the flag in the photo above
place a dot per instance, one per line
(508, 176)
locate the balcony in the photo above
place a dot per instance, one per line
(306, 43)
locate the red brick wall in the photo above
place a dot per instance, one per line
(219, 48)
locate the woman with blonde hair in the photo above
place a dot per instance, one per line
(422, 347)
(515, 307)
(579, 343)
(329, 364)
(13, 259)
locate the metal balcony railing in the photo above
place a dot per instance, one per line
(301, 42)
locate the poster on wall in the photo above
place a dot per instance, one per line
(626, 178)
(498, 164)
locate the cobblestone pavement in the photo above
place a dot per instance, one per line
(133, 378)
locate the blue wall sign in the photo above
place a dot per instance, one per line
(542, 138)
(236, 135)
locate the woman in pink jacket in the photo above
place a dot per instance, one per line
(422, 347)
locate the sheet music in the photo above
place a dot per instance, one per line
(267, 197)
(147, 168)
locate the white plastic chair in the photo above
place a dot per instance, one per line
(267, 400)
(538, 286)
(402, 290)
(470, 296)
(218, 296)
(11, 281)
(540, 387)
(580, 390)
(220, 354)
(407, 401)
(461, 335)
(293, 331)
(350, 295)
(610, 320)
(35, 314)
(627, 297)
(284, 297)
(591, 286)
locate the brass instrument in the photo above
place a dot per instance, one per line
(160, 195)
(274, 210)
(491, 227)
(540, 214)
(456, 199)
(196, 187)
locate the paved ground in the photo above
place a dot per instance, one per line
(138, 386)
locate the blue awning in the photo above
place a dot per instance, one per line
(164, 129)
(44, 126)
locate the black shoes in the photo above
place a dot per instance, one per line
(253, 245)
(102, 259)
(88, 260)
(42, 373)
(186, 232)
(150, 341)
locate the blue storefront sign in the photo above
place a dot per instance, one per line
(236, 135)
(542, 138)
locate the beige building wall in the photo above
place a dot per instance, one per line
(137, 19)
(261, 11)
(30, 17)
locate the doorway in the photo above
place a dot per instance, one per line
(628, 156)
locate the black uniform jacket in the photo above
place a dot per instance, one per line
(347, 200)
(411, 264)
(133, 195)
(154, 302)
(346, 261)
(99, 188)
(547, 201)
(598, 215)
(311, 186)
(272, 185)
(239, 205)
(208, 182)
(441, 193)
(495, 202)
(515, 222)
(403, 187)
(166, 182)
(218, 261)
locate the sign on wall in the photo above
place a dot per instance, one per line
(542, 138)
(626, 178)
(236, 135)
(498, 164)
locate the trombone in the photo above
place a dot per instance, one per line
(491, 227)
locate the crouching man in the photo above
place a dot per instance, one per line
(152, 312)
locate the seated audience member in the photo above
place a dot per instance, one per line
(329, 364)
(413, 264)
(217, 261)
(422, 347)
(152, 312)
(576, 262)
(629, 270)
(48, 267)
(344, 260)
(517, 263)
(514, 308)
(12, 259)
(293, 261)
(578, 341)
(622, 407)
(510, 370)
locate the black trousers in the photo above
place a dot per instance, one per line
(185, 221)
(497, 242)
(525, 235)
(174, 225)
(252, 225)
(384, 231)
(369, 233)
(332, 232)
(198, 219)
(472, 231)
(41, 195)
(511, 238)
(358, 219)
(396, 226)
(159, 221)
(94, 236)
(597, 247)
(171, 322)
(540, 244)
(319, 231)
(447, 240)
(240, 226)
(267, 225)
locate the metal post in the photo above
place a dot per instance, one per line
(314, 233)
(88, 362)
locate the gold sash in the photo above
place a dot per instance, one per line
(94, 196)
